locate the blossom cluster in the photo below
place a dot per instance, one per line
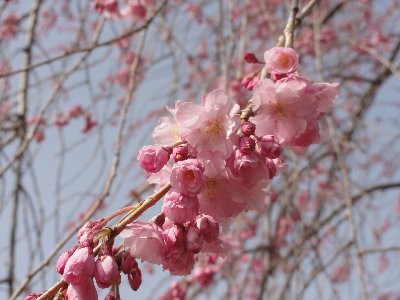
(133, 9)
(218, 159)
(79, 267)
(219, 163)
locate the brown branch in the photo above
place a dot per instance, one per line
(21, 113)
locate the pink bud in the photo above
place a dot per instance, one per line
(75, 112)
(209, 228)
(62, 260)
(135, 279)
(269, 147)
(152, 158)
(251, 58)
(106, 271)
(248, 128)
(247, 144)
(194, 239)
(83, 291)
(87, 232)
(180, 153)
(250, 81)
(79, 266)
(128, 263)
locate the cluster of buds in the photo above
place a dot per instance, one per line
(74, 113)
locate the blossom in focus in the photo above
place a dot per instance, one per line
(152, 158)
(208, 126)
(145, 241)
(222, 197)
(283, 109)
(187, 177)
(281, 60)
(179, 207)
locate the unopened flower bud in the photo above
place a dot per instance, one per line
(152, 158)
(194, 240)
(128, 263)
(269, 147)
(209, 228)
(246, 144)
(62, 260)
(248, 128)
(79, 266)
(160, 220)
(106, 271)
(135, 279)
(180, 153)
(251, 58)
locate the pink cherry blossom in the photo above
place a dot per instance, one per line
(152, 158)
(208, 126)
(324, 93)
(308, 137)
(281, 60)
(107, 7)
(179, 261)
(145, 241)
(179, 207)
(248, 169)
(161, 178)
(204, 276)
(134, 10)
(222, 197)
(283, 109)
(106, 271)
(187, 177)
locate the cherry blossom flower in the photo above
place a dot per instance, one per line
(283, 110)
(179, 207)
(208, 126)
(281, 60)
(152, 158)
(187, 177)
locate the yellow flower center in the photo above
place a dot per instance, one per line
(213, 129)
(279, 109)
(211, 186)
(284, 60)
(189, 175)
